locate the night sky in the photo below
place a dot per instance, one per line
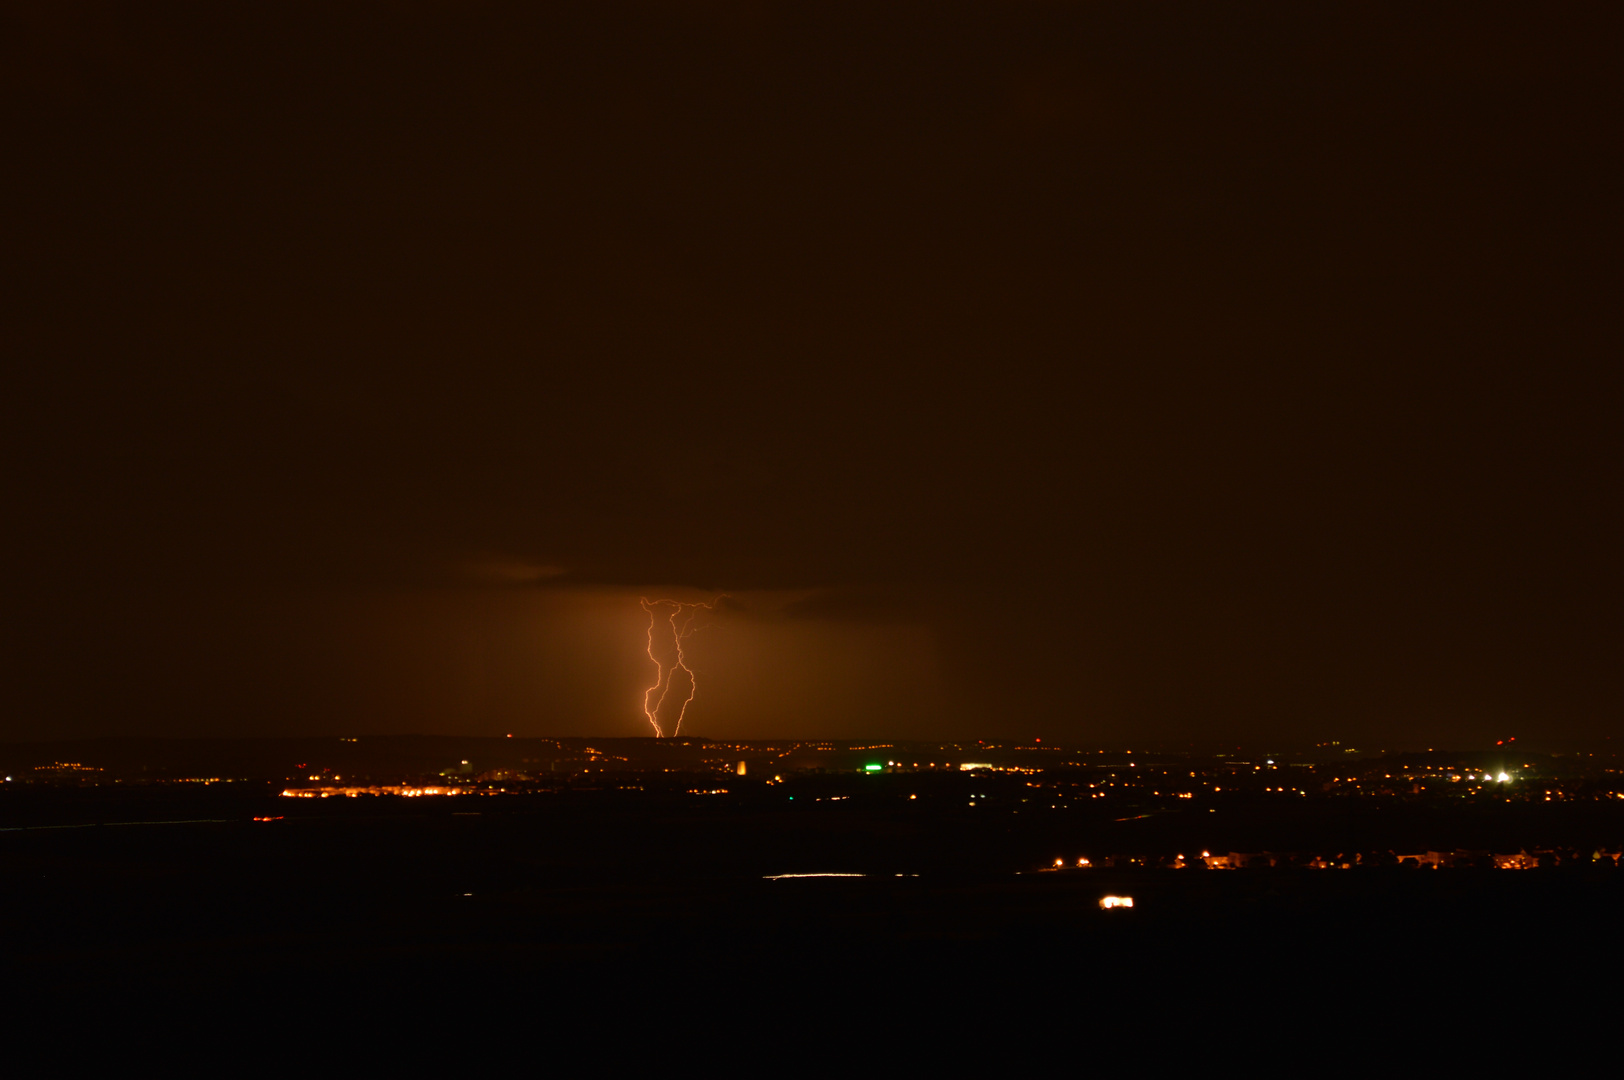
(1120, 374)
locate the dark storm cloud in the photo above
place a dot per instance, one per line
(873, 603)
(1169, 371)
(500, 570)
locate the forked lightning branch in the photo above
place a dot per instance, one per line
(671, 621)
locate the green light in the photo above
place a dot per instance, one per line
(872, 768)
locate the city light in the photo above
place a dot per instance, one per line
(381, 789)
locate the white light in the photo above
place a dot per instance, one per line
(1109, 902)
(1502, 778)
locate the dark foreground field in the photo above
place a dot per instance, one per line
(594, 923)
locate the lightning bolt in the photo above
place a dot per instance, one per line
(681, 618)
